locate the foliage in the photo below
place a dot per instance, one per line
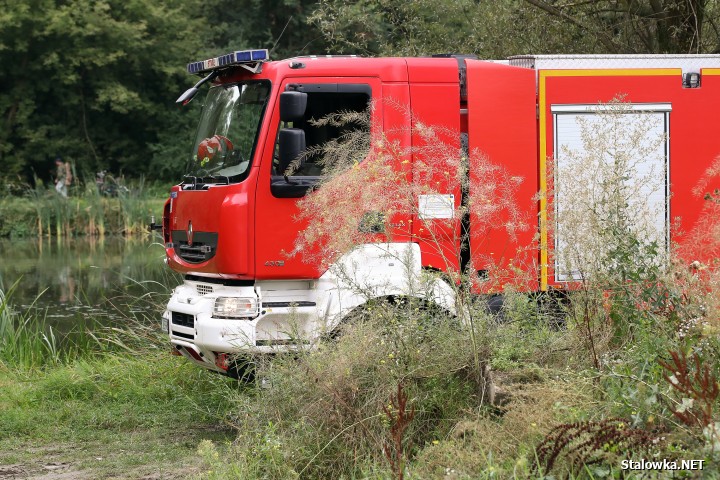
(610, 234)
(119, 403)
(281, 26)
(92, 79)
(637, 299)
(113, 415)
(487, 29)
(320, 411)
(323, 413)
(610, 223)
(399, 417)
(28, 342)
(95, 81)
(106, 64)
(701, 243)
(666, 26)
(513, 27)
(633, 305)
(584, 444)
(367, 179)
(697, 384)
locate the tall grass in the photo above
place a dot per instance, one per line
(96, 211)
(138, 332)
(27, 341)
(42, 212)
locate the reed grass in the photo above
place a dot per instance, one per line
(41, 212)
(28, 341)
(138, 332)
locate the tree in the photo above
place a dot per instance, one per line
(422, 27)
(94, 81)
(279, 25)
(510, 27)
(641, 26)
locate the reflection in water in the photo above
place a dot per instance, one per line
(67, 284)
(84, 279)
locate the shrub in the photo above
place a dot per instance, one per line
(327, 408)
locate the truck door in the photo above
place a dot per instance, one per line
(276, 227)
(502, 126)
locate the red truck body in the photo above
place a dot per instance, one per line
(235, 233)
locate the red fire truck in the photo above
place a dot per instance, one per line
(228, 225)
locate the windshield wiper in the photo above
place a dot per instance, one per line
(226, 180)
(201, 181)
(190, 180)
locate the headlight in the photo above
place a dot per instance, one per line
(235, 307)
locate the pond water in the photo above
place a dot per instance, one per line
(67, 281)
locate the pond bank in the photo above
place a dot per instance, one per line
(48, 214)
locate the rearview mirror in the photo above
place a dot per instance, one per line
(292, 148)
(292, 106)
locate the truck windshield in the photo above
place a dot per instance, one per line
(227, 133)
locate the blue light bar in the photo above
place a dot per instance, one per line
(233, 58)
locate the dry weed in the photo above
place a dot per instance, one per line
(386, 184)
(483, 441)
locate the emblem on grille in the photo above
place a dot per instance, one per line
(190, 233)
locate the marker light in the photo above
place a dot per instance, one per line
(240, 57)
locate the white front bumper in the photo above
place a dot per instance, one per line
(198, 335)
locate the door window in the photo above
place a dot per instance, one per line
(330, 116)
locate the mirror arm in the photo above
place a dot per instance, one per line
(190, 93)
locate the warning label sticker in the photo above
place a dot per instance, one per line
(436, 206)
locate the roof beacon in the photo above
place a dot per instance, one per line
(248, 59)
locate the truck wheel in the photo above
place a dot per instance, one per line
(494, 305)
(428, 313)
(356, 316)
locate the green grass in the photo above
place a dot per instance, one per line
(115, 415)
(122, 407)
(138, 411)
(323, 413)
(103, 402)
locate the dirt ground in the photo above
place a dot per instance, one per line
(67, 471)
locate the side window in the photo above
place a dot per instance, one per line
(320, 122)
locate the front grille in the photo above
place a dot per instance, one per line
(183, 319)
(228, 282)
(204, 289)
